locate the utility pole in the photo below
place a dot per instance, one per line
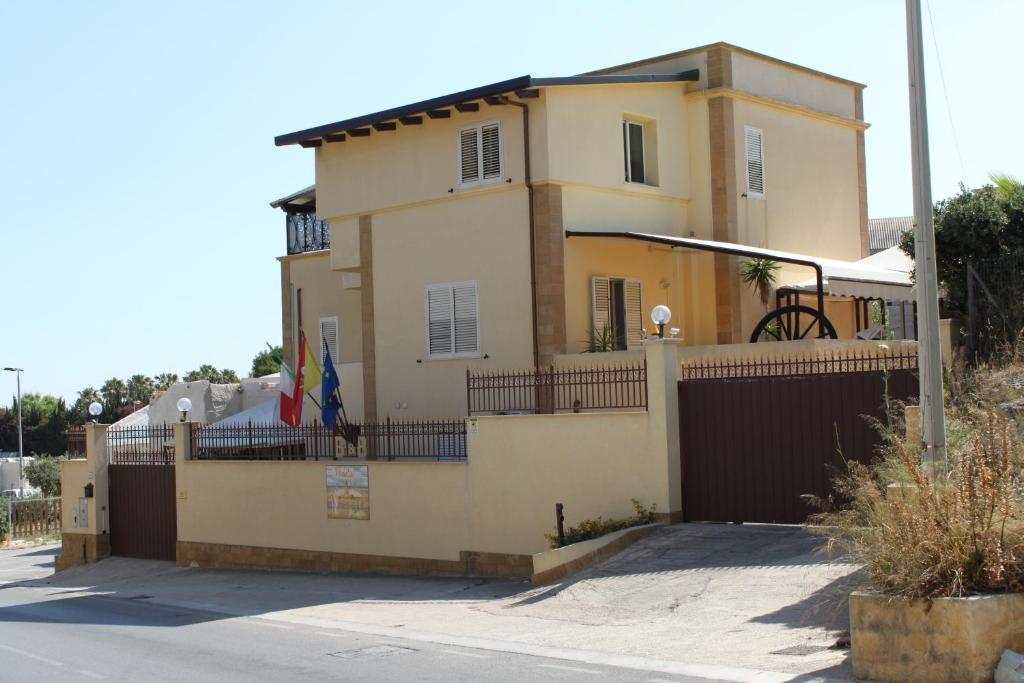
(933, 420)
(21, 448)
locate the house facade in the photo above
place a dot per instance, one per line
(504, 226)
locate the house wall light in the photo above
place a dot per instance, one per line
(184, 405)
(661, 315)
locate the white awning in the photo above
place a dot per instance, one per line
(872, 277)
(266, 413)
(885, 275)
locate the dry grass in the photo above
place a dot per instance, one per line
(958, 533)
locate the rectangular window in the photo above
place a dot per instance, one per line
(753, 144)
(453, 320)
(480, 154)
(618, 311)
(329, 339)
(633, 150)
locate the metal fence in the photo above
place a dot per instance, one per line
(75, 442)
(141, 445)
(993, 306)
(33, 517)
(441, 439)
(557, 389)
(834, 363)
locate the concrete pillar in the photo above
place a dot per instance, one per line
(86, 537)
(663, 373)
(182, 442)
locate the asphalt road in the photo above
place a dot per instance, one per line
(54, 634)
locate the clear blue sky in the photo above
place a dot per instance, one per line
(137, 157)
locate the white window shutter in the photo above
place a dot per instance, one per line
(329, 339)
(634, 314)
(753, 144)
(469, 149)
(467, 318)
(600, 290)
(439, 320)
(490, 137)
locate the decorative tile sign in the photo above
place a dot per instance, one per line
(348, 492)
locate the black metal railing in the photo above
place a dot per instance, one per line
(75, 447)
(441, 439)
(557, 389)
(827, 363)
(307, 233)
(141, 445)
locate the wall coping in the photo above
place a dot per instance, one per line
(592, 414)
(551, 565)
(329, 461)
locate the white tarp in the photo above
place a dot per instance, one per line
(266, 413)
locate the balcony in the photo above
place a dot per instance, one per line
(307, 233)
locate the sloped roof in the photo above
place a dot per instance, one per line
(884, 233)
(520, 85)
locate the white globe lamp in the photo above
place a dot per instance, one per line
(184, 405)
(661, 315)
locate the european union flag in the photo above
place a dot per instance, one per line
(330, 401)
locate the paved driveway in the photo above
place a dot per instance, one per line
(754, 597)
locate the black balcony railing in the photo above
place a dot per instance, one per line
(307, 233)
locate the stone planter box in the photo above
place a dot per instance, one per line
(950, 639)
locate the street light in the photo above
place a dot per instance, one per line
(21, 448)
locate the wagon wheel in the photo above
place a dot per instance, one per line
(790, 323)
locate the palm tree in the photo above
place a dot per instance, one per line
(759, 274)
(140, 389)
(164, 380)
(1009, 187)
(114, 393)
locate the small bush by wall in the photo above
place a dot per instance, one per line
(598, 526)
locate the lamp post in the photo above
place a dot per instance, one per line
(21, 447)
(95, 408)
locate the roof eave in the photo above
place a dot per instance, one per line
(501, 87)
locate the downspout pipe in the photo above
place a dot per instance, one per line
(527, 179)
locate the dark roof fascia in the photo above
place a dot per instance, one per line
(511, 85)
(285, 202)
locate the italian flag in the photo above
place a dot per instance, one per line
(291, 393)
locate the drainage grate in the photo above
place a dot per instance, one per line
(800, 650)
(373, 652)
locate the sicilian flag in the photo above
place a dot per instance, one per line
(312, 376)
(291, 394)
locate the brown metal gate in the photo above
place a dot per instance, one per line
(755, 437)
(143, 510)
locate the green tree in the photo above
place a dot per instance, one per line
(975, 226)
(80, 408)
(213, 375)
(164, 380)
(115, 393)
(140, 389)
(265, 362)
(44, 473)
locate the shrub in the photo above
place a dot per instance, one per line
(598, 526)
(960, 532)
(44, 473)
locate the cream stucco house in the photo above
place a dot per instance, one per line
(498, 227)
